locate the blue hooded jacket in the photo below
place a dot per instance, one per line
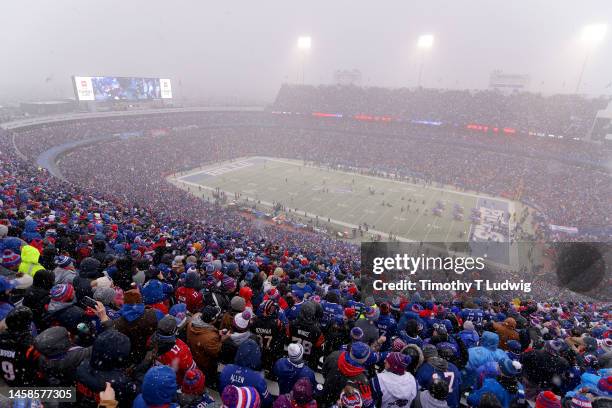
(30, 231)
(469, 337)
(244, 372)
(483, 354)
(288, 374)
(491, 385)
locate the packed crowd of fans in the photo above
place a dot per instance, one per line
(568, 115)
(566, 194)
(138, 294)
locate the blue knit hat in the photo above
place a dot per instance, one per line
(10, 259)
(359, 353)
(159, 385)
(509, 368)
(152, 292)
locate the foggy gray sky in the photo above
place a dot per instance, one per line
(247, 48)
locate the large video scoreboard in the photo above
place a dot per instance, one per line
(104, 88)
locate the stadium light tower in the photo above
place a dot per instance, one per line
(304, 44)
(424, 43)
(592, 35)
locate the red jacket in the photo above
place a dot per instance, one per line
(191, 297)
(179, 358)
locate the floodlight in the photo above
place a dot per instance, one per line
(304, 43)
(594, 33)
(425, 41)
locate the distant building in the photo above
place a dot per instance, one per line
(347, 77)
(508, 82)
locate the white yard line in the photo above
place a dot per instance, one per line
(269, 204)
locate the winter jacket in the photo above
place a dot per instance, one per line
(395, 390)
(138, 323)
(245, 372)
(88, 271)
(288, 373)
(191, 297)
(470, 338)
(67, 315)
(109, 354)
(506, 331)
(491, 385)
(37, 296)
(338, 371)
(16, 352)
(425, 400)
(229, 347)
(178, 357)
(63, 275)
(437, 367)
(59, 358)
(205, 343)
(482, 354)
(29, 261)
(31, 231)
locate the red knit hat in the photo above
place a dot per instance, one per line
(193, 382)
(548, 399)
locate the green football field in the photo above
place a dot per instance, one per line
(345, 200)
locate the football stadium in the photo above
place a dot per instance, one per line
(222, 218)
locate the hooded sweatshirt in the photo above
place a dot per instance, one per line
(244, 372)
(396, 390)
(29, 260)
(426, 400)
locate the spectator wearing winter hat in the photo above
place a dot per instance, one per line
(350, 397)
(59, 356)
(237, 305)
(89, 271)
(205, 341)
(136, 322)
(64, 269)
(9, 263)
(171, 351)
(506, 387)
(301, 396)
(291, 368)
(547, 399)
(469, 335)
(193, 391)
(159, 389)
(106, 364)
(395, 386)
(106, 296)
(182, 316)
(155, 295)
(189, 292)
(368, 326)
(62, 309)
(244, 371)
(15, 342)
(37, 296)
(240, 397)
(239, 334)
(342, 367)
